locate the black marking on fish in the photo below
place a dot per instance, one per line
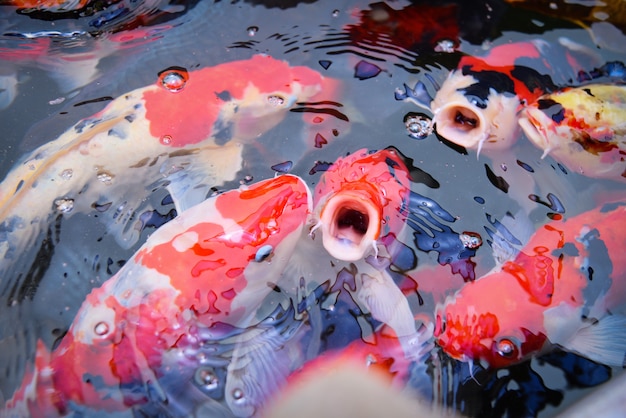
(497, 181)
(486, 81)
(533, 79)
(593, 145)
(553, 109)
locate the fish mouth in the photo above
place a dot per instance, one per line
(461, 124)
(530, 122)
(350, 225)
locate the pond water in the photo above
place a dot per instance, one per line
(60, 67)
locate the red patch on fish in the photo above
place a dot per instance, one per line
(189, 115)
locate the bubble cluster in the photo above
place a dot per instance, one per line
(418, 126)
(275, 100)
(64, 205)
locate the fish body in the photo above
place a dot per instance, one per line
(186, 132)
(477, 105)
(201, 273)
(53, 6)
(582, 127)
(566, 287)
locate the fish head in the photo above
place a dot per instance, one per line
(581, 127)
(360, 198)
(470, 113)
(488, 320)
(231, 101)
(99, 361)
(544, 123)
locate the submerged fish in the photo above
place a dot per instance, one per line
(359, 199)
(201, 274)
(477, 105)
(583, 127)
(204, 276)
(566, 287)
(185, 133)
(53, 6)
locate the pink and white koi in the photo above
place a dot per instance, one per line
(205, 269)
(185, 132)
(566, 287)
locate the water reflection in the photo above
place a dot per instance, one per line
(70, 64)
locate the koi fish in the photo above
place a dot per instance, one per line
(583, 127)
(477, 105)
(53, 6)
(566, 287)
(186, 133)
(359, 198)
(200, 275)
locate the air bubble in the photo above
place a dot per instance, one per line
(418, 126)
(105, 177)
(166, 139)
(246, 180)
(64, 205)
(238, 395)
(173, 79)
(206, 378)
(66, 174)
(101, 329)
(275, 100)
(335, 13)
(445, 45)
(252, 30)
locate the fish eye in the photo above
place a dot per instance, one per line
(507, 348)
(263, 253)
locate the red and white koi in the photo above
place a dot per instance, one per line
(583, 127)
(205, 269)
(185, 132)
(566, 287)
(360, 199)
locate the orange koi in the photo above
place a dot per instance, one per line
(565, 287)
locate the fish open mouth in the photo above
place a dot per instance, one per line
(460, 124)
(350, 226)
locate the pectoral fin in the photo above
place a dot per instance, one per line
(603, 340)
